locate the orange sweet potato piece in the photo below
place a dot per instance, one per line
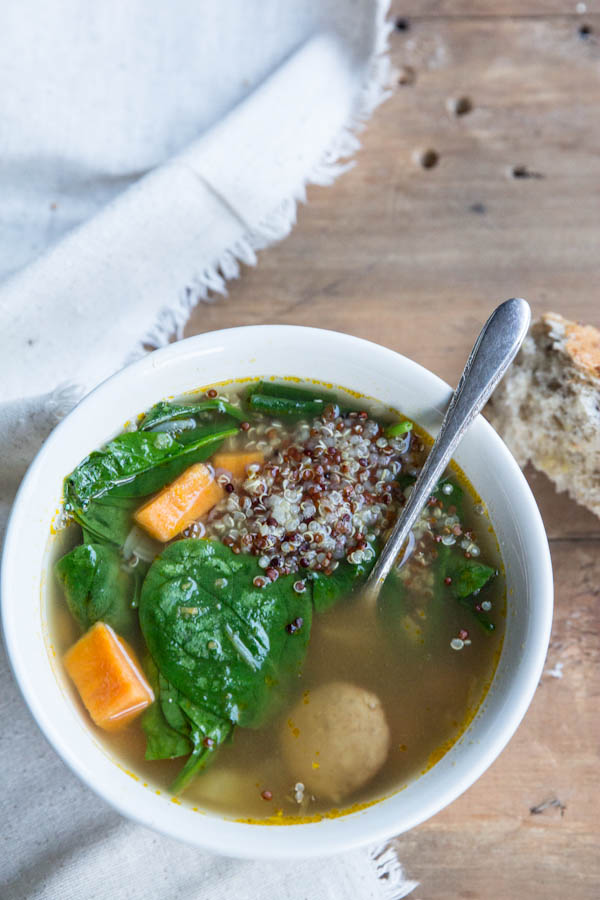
(180, 503)
(108, 677)
(237, 462)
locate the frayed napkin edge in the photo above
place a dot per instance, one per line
(389, 872)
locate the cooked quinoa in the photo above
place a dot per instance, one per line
(324, 493)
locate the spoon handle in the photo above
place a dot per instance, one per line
(494, 350)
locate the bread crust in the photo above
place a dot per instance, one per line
(581, 342)
(547, 408)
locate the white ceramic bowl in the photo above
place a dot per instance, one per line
(352, 363)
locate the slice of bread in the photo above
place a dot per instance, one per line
(547, 408)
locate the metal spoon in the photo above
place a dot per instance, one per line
(493, 352)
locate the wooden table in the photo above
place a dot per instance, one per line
(415, 258)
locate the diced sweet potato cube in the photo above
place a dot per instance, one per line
(108, 677)
(180, 503)
(237, 463)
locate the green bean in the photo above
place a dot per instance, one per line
(398, 429)
(290, 392)
(280, 406)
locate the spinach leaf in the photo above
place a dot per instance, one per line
(156, 478)
(107, 519)
(169, 412)
(169, 703)
(131, 455)
(96, 587)
(392, 605)
(480, 617)
(176, 727)
(218, 639)
(222, 646)
(467, 575)
(454, 498)
(207, 733)
(328, 589)
(405, 480)
(162, 740)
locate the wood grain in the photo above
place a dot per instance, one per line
(416, 9)
(415, 258)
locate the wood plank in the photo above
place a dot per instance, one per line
(563, 518)
(414, 9)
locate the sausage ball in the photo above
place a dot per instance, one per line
(335, 739)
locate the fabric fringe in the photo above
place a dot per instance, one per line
(390, 874)
(212, 281)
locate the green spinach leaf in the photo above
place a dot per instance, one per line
(207, 733)
(218, 639)
(169, 698)
(170, 412)
(454, 497)
(163, 741)
(107, 519)
(480, 617)
(467, 575)
(392, 605)
(176, 727)
(154, 479)
(96, 587)
(328, 589)
(132, 455)
(405, 480)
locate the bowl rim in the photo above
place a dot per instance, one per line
(322, 840)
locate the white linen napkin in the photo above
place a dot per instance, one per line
(148, 148)
(146, 257)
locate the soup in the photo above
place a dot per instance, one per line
(209, 610)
